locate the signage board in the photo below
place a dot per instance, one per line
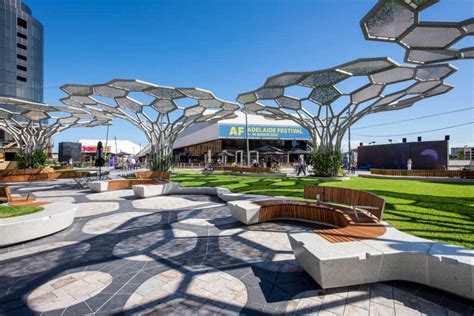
(263, 132)
(93, 149)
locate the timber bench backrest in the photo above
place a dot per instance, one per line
(164, 175)
(354, 198)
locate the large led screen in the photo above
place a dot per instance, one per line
(431, 155)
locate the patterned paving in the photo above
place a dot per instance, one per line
(96, 208)
(182, 255)
(68, 290)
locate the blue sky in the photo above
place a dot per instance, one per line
(231, 47)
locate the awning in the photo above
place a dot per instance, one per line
(225, 153)
(297, 151)
(270, 150)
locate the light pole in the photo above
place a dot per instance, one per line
(349, 137)
(247, 139)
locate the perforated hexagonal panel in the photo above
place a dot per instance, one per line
(425, 42)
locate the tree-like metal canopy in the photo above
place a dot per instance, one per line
(425, 42)
(33, 124)
(315, 101)
(169, 112)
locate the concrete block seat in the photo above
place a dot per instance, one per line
(169, 188)
(145, 177)
(362, 249)
(391, 256)
(154, 189)
(55, 217)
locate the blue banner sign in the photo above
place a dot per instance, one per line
(265, 132)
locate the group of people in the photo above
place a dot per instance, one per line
(269, 163)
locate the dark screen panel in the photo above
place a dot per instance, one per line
(68, 150)
(431, 155)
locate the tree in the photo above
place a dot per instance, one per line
(170, 111)
(313, 99)
(33, 124)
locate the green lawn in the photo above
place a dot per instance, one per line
(437, 211)
(10, 211)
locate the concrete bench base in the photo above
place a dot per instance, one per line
(150, 190)
(98, 186)
(392, 256)
(55, 217)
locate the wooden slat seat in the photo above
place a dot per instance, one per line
(367, 201)
(347, 226)
(424, 173)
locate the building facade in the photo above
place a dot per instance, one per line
(21, 53)
(203, 141)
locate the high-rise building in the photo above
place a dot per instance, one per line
(21, 53)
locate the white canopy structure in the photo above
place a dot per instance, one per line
(314, 100)
(170, 112)
(425, 42)
(33, 124)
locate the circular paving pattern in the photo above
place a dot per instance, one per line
(163, 243)
(116, 195)
(306, 303)
(95, 208)
(209, 293)
(167, 203)
(121, 222)
(213, 212)
(68, 290)
(265, 245)
(41, 258)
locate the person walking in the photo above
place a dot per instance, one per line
(409, 164)
(301, 166)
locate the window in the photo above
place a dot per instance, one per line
(22, 57)
(22, 22)
(20, 67)
(20, 78)
(21, 46)
(21, 35)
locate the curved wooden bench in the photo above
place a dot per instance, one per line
(355, 199)
(347, 227)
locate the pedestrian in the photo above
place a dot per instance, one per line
(301, 165)
(254, 163)
(409, 164)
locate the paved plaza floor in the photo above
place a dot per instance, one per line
(182, 255)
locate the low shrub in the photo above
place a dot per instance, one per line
(326, 162)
